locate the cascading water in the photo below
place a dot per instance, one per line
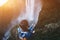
(30, 13)
(30, 9)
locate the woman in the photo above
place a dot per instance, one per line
(24, 26)
(25, 31)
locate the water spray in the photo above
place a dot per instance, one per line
(30, 13)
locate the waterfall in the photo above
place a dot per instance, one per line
(30, 13)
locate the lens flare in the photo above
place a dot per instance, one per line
(2, 2)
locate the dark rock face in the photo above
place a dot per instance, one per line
(48, 25)
(49, 32)
(50, 12)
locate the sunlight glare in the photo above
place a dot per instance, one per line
(2, 2)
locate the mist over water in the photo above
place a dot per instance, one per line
(30, 13)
